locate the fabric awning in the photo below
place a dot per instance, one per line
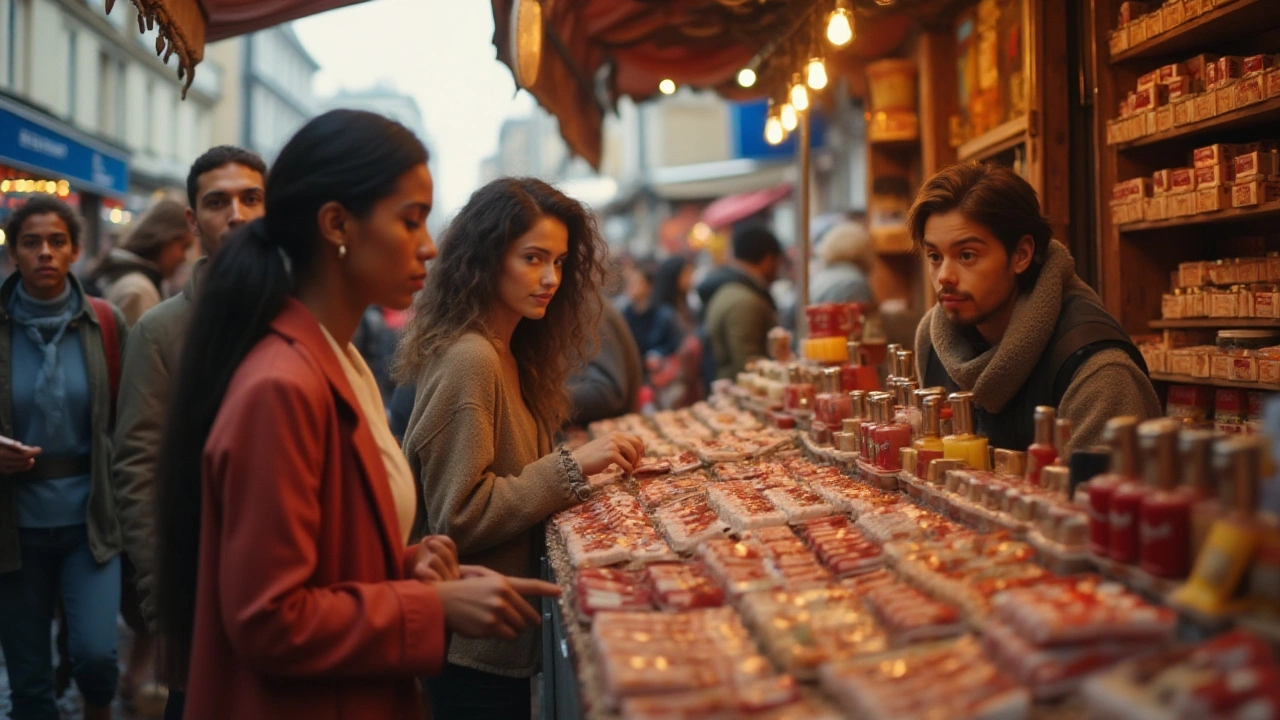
(186, 25)
(597, 51)
(728, 210)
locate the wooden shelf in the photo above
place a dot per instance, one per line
(1213, 382)
(995, 141)
(1214, 323)
(1263, 115)
(1238, 19)
(1233, 215)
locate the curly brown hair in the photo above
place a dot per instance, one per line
(462, 284)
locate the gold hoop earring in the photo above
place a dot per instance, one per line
(342, 252)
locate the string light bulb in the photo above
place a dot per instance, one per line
(773, 132)
(789, 117)
(667, 86)
(840, 25)
(816, 73)
(799, 95)
(746, 77)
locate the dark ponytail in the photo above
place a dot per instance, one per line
(346, 156)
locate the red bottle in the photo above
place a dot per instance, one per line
(1121, 434)
(796, 391)
(1164, 530)
(832, 404)
(890, 437)
(855, 375)
(1126, 507)
(1041, 453)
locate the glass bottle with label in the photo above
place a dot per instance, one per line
(1126, 503)
(868, 426)
(890, 437)
(797, 389)
(963, 443)
(1221, 565)
(857, 376)
(832, 403)
(1041, 452)
(1164, 529)
(929, 446)
(1200, 480)
(1121, 434)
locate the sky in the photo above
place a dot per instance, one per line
(441, 53)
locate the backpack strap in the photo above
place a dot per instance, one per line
(110, 345)
(1082, 342)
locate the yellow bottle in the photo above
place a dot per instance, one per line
(1222, 562)
(929, 446)
(963, 444)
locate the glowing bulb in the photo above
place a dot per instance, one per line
(1, 237)
(116, 215)
(789, 117)
(840, 27)
(4, 186)
(746, 77)
(773, 132)
(817, 74)
(64, 188)
(799, 96)
(667, 86)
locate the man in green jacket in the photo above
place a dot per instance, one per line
(226, 189)
(739, 309)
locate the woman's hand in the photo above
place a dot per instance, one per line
(436, 559)
(16, 457)
(621, 449)
(486, 604)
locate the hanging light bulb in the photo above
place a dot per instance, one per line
(799, 95)
(789, 117)
(667, 86)
(840, 25)
(746, 77)
(773, 132)
(816, 73)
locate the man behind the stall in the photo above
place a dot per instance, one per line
(1013, 323)
(226, 190)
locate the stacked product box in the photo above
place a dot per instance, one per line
(1219, 177)
(1228, 410)
(1227, 288)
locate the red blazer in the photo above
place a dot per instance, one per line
(302, 606)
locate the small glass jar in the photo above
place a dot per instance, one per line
(1233, 340)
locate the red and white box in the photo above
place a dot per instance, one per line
(1255, 192)
(1258, 162)
(1250, 90)
(1223, 71)
(1215, 175)
(1162, 182)
(1164, 118)
(1258, 64)
(1178, 87)
(1225, 97)
(1198, 67)
(1182, 180)
(1244, 369)
(1273, 83)
(1216, 154)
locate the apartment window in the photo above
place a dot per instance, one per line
(149, 115)
(110, 89)
(18, 32)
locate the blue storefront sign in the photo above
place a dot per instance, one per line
(748, 118)
(28, 142)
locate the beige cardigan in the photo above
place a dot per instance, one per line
(489, 480)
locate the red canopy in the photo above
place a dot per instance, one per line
(186, 25)
(728, 210)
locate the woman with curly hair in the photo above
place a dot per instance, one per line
(495, 336)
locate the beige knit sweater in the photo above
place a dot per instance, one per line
(489, 478)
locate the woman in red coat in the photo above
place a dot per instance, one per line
(284, 574)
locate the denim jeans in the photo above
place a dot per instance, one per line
(460, 693)
(54, 558)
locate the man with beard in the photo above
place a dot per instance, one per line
(1014, 324)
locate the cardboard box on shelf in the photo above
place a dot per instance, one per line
(1112, 135)
(1149, 125)
(1206, 105)
(1137, 32)
(1178, 87)
(1172, 15)
(1226, 97)
(1172, 306)
(1250, 90)
(1265, 303)
(1161, 181)
(1191, 9)
(1182, 179)
(1258, 162)
(1148, 80)
(1193, 274)
(1131, 10)
(1224, 304)
(1216, 154)
(1180, 361)
(1273, 83)
(1269, 370)
(1255, 192)
(1181, 204)
(1118, 40)
(1155, 357)
(1229, 405)
(1223, 272)
(1213, 198)
(1244, 369)
(1184, 112)
(1202, 361)
(1155, 23)
(1250, 270)
(1224, 71)
(1157, 208)
(1196, 303)
(1128, 190)
(1164, 118)
(1189, 401)
(1258, 64)
(1198, 67)
(1215, 175)
(1171, 71)
(1150, 98)
(1220, 366)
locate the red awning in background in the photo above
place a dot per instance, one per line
(597, 51)
(728, 210)
(186, 25)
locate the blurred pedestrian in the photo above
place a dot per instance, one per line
(59, 537)
(739, 309)
(132, 275)
(225, 189)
